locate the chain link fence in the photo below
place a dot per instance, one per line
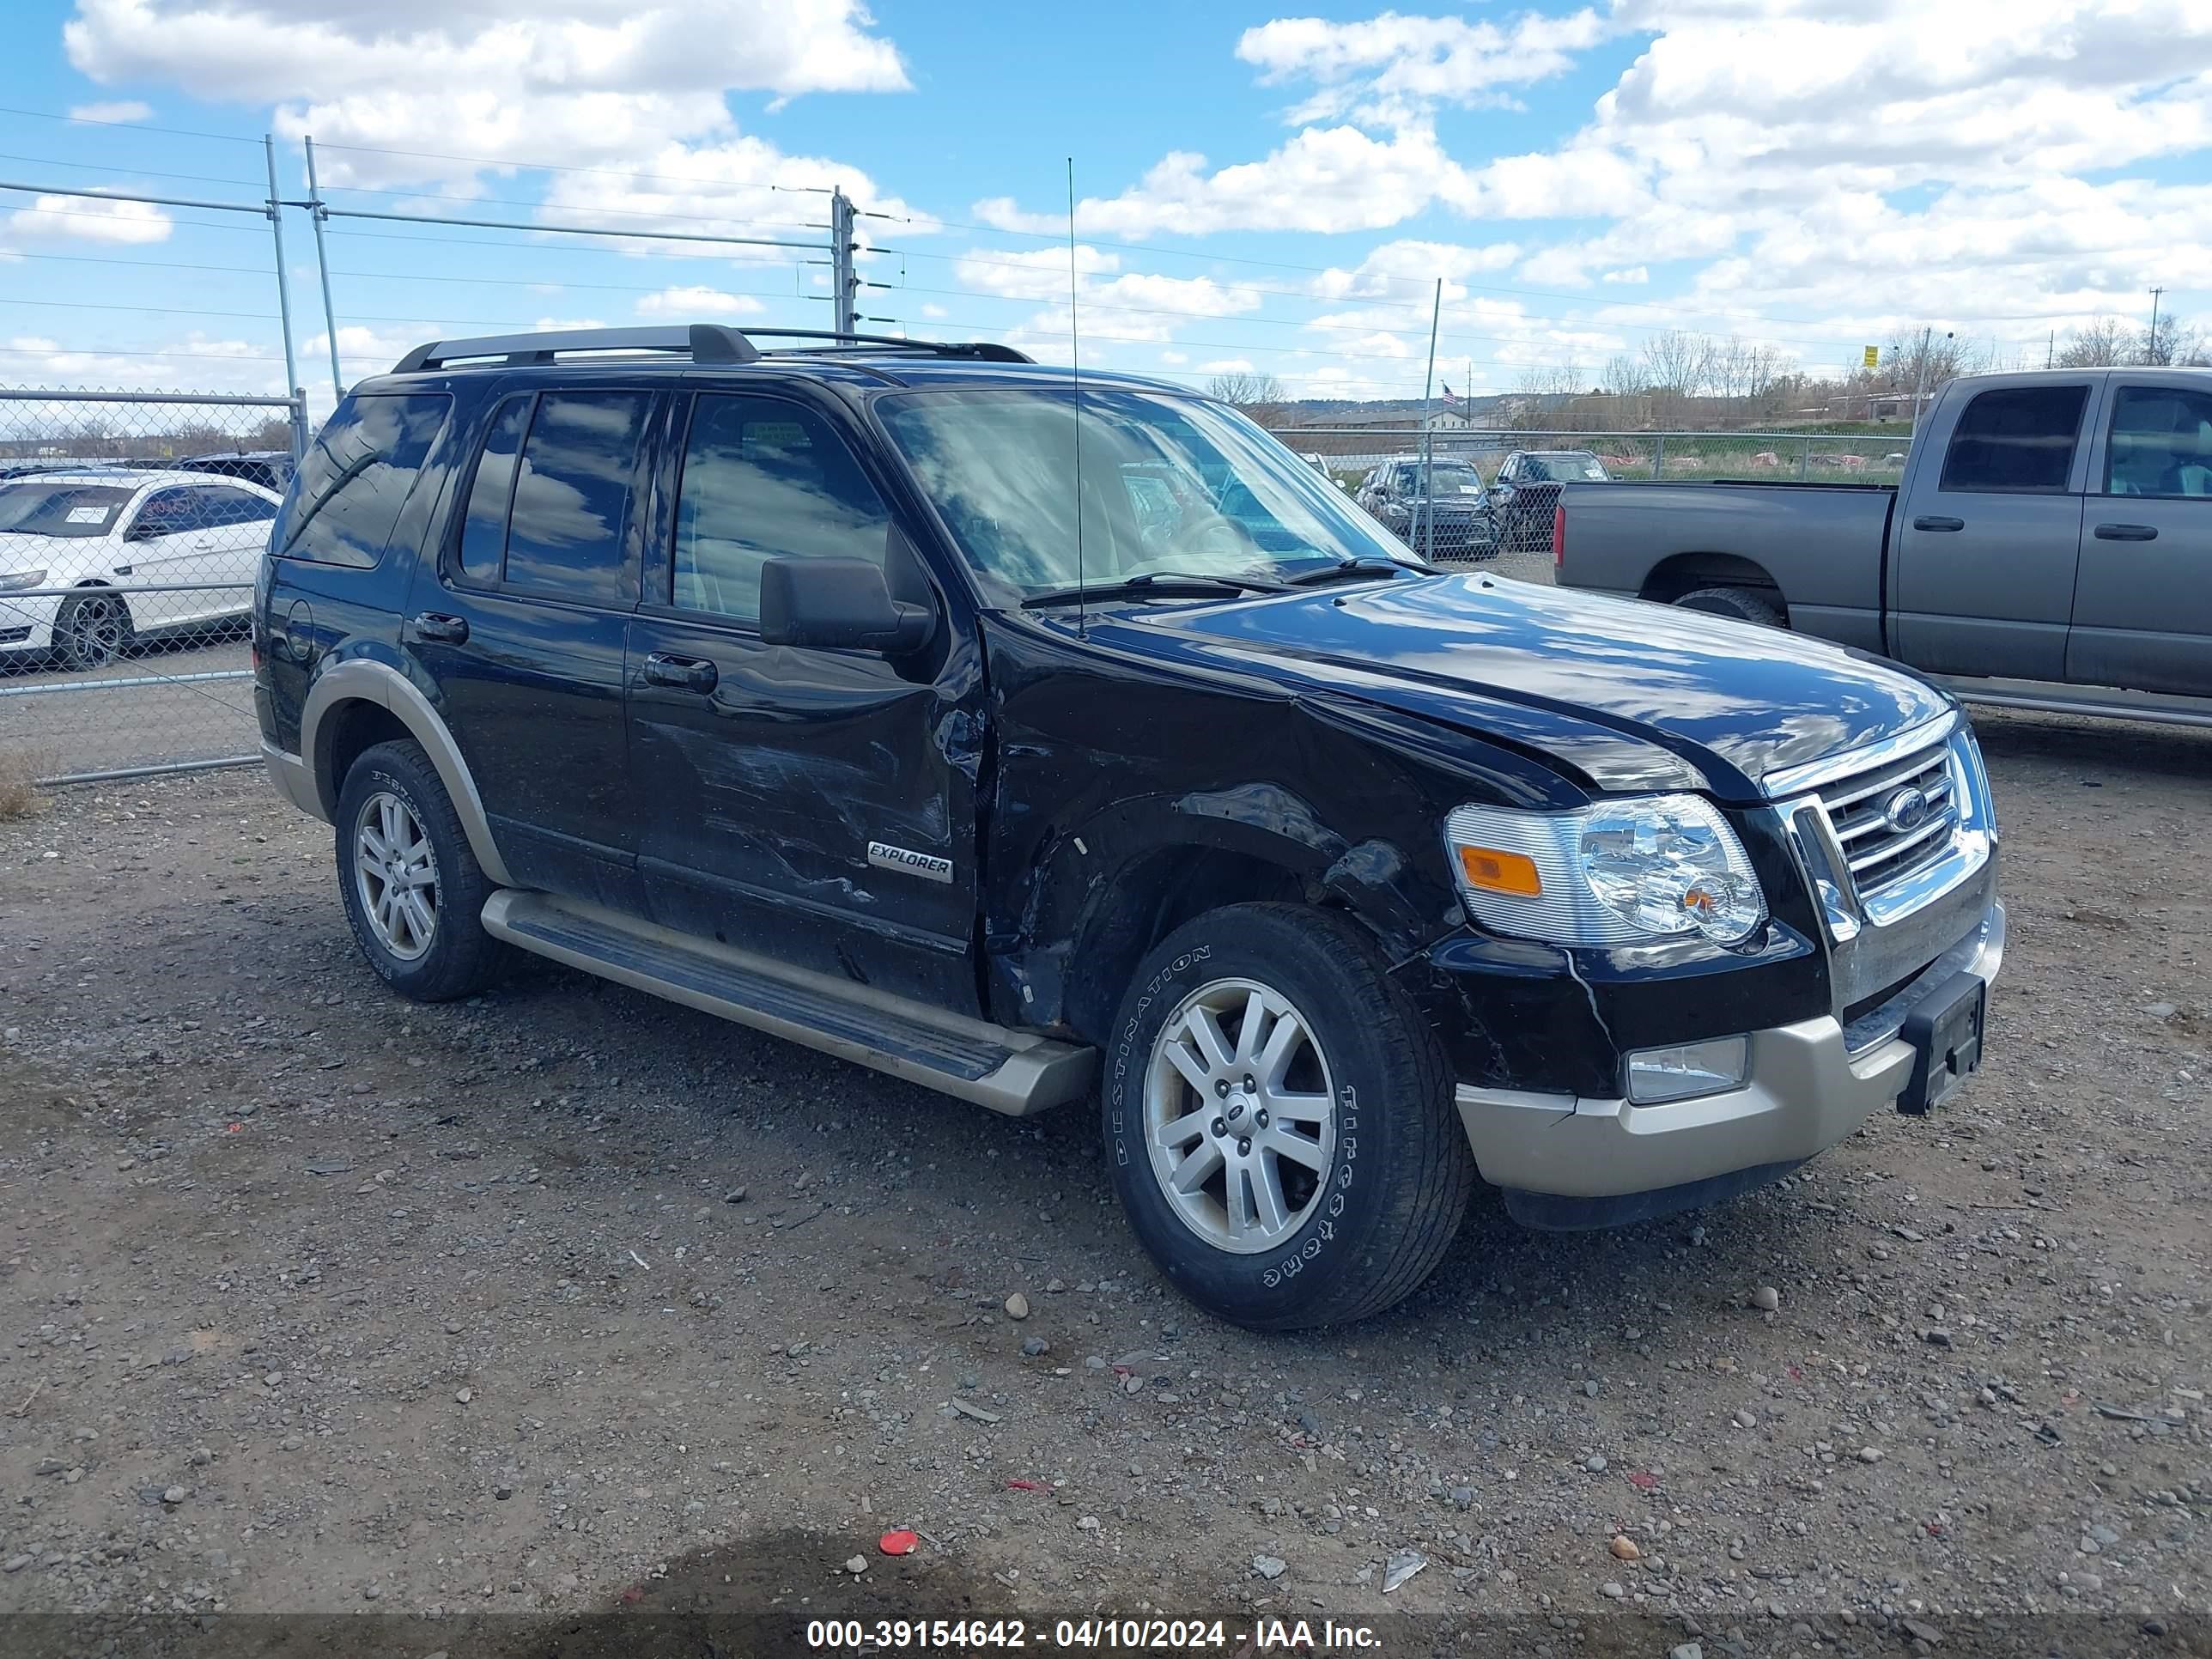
(131, 525)
(1519, 518)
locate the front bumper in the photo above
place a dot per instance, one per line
(28, 624)
(1569, 1162)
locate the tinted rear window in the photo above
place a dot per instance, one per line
(357, 475)
(2016, 438)
(564, 533)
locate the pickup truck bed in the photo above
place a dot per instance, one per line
(2048, 547)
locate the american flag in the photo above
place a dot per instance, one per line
(1449, 392)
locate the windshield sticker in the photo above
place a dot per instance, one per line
(89, 514)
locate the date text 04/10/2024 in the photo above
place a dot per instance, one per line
(1148, 1635)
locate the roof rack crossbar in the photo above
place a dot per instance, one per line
(989, 352)
(703, 343)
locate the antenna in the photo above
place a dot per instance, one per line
(1075, 359)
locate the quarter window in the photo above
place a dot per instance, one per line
(484, 527)
(356, 477)
(2017, 439)
(565, 529)
(765, 480)
(2161, 443)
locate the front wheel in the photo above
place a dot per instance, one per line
(1280, 1122)
(93, 630)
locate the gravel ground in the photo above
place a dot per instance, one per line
(517, 1322)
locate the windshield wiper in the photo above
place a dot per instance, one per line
(1355, 567)
(1168, 583)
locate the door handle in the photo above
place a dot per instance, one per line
(2127, 532)
(434, 628)
(1939, 524)
(686, 673)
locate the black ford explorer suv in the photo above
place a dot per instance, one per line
(1028, 738)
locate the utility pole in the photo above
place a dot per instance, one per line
(2051, 349)
(1920, 382)
(844, 283)
(2150, 343)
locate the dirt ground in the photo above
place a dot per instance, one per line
(551, 1321)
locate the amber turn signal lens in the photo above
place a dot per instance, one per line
(1500, 872)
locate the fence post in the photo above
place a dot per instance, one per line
(298, 416)
(283, 286)
(316, 216)
(1804, 460)
(1658, 455)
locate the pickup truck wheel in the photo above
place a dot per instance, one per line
(413, 890)
(1280, 1122)
(1743, 603)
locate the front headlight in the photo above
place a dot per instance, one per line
(1626, 871)
(15, 582)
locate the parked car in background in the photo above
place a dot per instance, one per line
(1406, 491)
(1527, 488)
(139, 555)
(269, 468)
(2049, 546)
(836, 693)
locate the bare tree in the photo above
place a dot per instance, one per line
(2174, 344)
(1678, 362)
(2100, 344)
(1626, 377)
(1248, 389)
(1550, 398)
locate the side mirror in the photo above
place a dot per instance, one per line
(838, 603)
(143, 530)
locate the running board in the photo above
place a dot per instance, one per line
(1010, 1072)
(2042, 697)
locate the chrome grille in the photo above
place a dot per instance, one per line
(1879, 844)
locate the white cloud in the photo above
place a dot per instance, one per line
(1386, 67)
(697, 300)
(571, 82)
(91, 219)
(1400, 267)
(1326, 179)
(1633, 275)
(120, 113)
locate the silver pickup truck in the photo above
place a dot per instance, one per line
(2049, 546)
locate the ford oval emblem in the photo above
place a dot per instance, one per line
(1905, 811)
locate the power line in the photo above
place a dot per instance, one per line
(557, 167)
(132, 126)
(630, 213)
(132, 171)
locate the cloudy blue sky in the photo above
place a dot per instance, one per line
(1272, 188)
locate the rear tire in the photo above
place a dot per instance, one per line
(413, 890)
(1266, 1045)
(1743, 603)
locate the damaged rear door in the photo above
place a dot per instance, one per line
(816, 805)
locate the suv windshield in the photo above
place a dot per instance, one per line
(1562, 466)
(1176, 485)
(60, 509)
(1453, 477)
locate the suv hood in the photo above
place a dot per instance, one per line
(1631, 696)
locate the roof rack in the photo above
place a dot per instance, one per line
(703, 343)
